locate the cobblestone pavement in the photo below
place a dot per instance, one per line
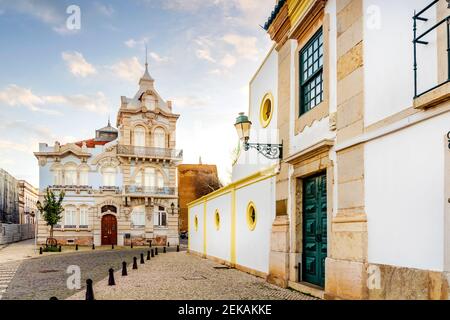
(7, 272)
(45, 277)
(181, 276)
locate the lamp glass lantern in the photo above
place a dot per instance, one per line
(243, 126)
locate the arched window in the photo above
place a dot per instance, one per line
(139, 136)
(69, 217)
(159, 137)
(138, 217)
(149, 177)
(70, 175)
(138, 179)
(159, 180)
(109, 177)
(57, 175)
(84, 176)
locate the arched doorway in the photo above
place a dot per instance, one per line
(109, 229)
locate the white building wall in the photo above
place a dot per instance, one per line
(196, 235)
(218, 242)
(404, 183)
(264, 81)
(388, 56)
(253, 247)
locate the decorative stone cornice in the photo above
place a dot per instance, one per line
(310, 152)
(60, 151)
(307, 18)
(280, 26)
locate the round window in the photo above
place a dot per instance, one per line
(217, 219)
(196, 223)
(251, 216)
(266, 111)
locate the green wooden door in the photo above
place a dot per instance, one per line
(314, 229)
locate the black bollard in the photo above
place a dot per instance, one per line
(53, 298)
(142, 258)
(168, 244)
(60, 248)
(178, 248)
(152, 253)
(76, 247)
(164, 249)
(150, 243)
(111, 281)
(40, 250)
(134, 263)
(112, 246)
(124, 269)
(148, 255)
(131, 245)
(89, 290)
(93, 246)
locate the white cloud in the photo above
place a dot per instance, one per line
(128, 69)
(158, 58)
(13, 145)
(16, 96)
(191, 102)
(78, 65)
(132, 43)
(246, 47)
(228, 61)
(106, 10)
(205, 54)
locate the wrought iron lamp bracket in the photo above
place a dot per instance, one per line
(268, 150)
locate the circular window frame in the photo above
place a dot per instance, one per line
(268, 97)
(217, 219)
(251, 224)
(196, 223)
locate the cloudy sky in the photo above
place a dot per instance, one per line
(58, 84)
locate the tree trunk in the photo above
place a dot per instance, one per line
(51, 231)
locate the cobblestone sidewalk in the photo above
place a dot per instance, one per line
(180, 276)
(7, 273)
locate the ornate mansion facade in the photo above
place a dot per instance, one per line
(120, 186)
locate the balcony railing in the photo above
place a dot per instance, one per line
(70, 188)
(150, 152)
(167, 191)
(420, 39)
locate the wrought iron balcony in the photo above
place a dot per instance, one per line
(149, 152)
(70, 188)
(165, 191)
(421, 40)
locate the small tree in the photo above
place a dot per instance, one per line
(52, 209)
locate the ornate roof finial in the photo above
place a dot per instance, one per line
(146, 57)
(146, 76)
(109, 121)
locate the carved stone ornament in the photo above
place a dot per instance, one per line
(42, 161)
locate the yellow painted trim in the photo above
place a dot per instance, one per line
(265, 122)
(217, 219)
(233, 228)
(204, 228)
(189, 228)
(251, 224)
(196, 223)
(246, 181)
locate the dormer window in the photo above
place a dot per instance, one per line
(150, 102)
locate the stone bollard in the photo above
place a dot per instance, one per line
(134, 263)
(152, 253)
(124, 269)
(111, 281)
(89, 290)
(178, 248)
(112, 246)
(40, 250)
(164, 249)
(53, 298)
(93, 246)
(156, 251)
(76, 247)
(60, 249)
(148, 255)
(142, 258)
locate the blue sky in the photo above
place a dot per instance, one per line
(58, 84)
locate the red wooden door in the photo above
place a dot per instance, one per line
(109, 230)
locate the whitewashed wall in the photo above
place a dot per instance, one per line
(218, 242)
(264, 81)
(404, 189)
(388, 56)
(253, 247)
(196, 236)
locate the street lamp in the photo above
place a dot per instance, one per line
(269, 150)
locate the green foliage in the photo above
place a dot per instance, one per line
(52, 208)
(51, 249)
